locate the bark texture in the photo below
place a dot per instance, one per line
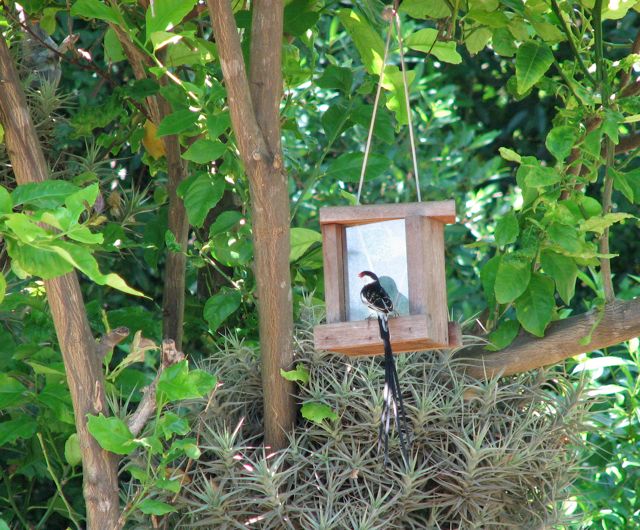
(82, 365)
(254, 105)
(617, 322)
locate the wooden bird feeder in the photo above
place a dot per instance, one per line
(404, 245)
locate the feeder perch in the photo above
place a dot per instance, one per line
(404, 245)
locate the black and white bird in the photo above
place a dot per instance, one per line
(376, 298)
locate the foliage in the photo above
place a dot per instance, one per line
(510, 445)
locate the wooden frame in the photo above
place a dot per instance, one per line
(426, 326)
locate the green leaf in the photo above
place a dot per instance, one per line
(11, 391)
(220, 307)
(566, 237)
(599, 224)
(368, 42)
(177, 383)
(504, 335)
(512, 278)
(4, 525)
(533, 59)
(318, 412)
(172, 485)
(203, 381)
(347, 167)
(94, 9)
(503, 43)
(170, 423)
(507, 229)
(621, 184)
(3, 287)
(564, 272)
(82, 200)
(154, 507)
(22, 427)
(164, 15)
(47, 195)
(38, 261)
(477, 39)
(425, 9)
(6, 204)
(225, 222)
(393, 82)
(535, 175)
(111, 433)
(185, 446)
(611, 124)
(204, 151)
(299, 16)
(203, 194)
(488, 276)
(56, 397)
(509, 154)
(336, 77)
(177, 122)
(301, 240)
(383, 127)
(426, 40)
(560, 141)
(534, 308)
(113, 51)
(72, 453)
(300, 374)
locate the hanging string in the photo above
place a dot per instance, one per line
(391, 14)
(373, 115)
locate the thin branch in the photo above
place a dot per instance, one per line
(147, 406)
(618, 321)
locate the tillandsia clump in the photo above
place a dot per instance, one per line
(484, 454)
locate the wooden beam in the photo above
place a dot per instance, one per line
(443, 211)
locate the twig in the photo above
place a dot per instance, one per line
(146, 407)
(57, 483)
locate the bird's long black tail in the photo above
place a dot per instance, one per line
(392, 398)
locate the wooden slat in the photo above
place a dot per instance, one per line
(363, 338)
(334, 287)
(434, 280)
(443, 211)
(416, 250)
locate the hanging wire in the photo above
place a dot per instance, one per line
(391, 14)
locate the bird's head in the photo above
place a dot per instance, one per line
(368, 277)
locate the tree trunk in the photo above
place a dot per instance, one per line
(82, 366)
(255, 116)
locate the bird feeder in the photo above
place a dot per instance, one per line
(404, 245)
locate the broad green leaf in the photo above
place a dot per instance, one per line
(203, 381)
(318, 412)
(599, 224)
(160, 39)
(336, 77)
(152, 444)
(220, 307)
(82, 200)
(40, 262)
(202, 195)
(176, 383)
(24, 228)
(172, 485)
(56, 397)
(11, 391)
(533, 59)
(154, 507)
(299, 16)
(425, 40)
(225, 222)
(6, 204)
(368, 42)
(111, 433)
(564, 272)
(383, 127)
(512, 277)
(22, 427)
(113, 51)
(477, 38)
(177, 122)
(503, 43)
(504, 335)
(164, 15)
(509, 154)
(170, 423)
(185, 446)
(3, 287)
(48, 194)
(4, 525)
(301, 240)
(621, 184)
(535, 175)
(204, 151)
(566, 237)
(396, 99)
(611, 124)
(94, 9)
(425, 9)
(488, 278)
(534, 308)
(548, 32)
(560, 141)
(72, 453)
(347, 167)
(300, 374)
(335, 120)
(507, 229)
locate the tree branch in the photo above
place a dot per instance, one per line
(617, 322)
(110, 341)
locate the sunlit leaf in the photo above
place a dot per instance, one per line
(533, 59)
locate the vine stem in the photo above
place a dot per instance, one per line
(607, 190)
